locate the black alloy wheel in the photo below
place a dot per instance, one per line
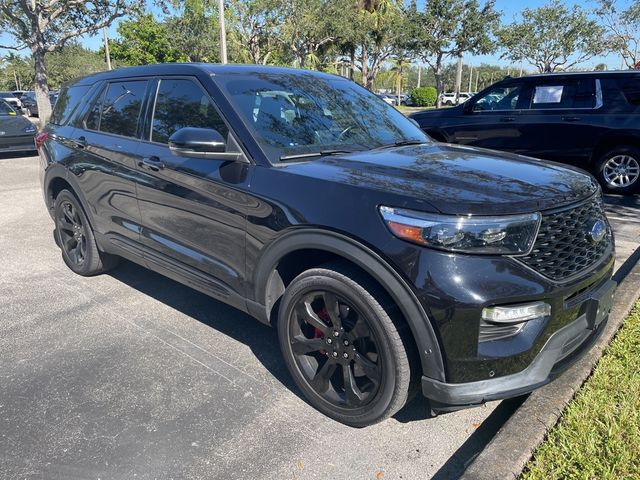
(335, 349)
(75, 238)
(344, 343)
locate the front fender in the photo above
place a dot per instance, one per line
(367, 260)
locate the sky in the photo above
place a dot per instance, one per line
(510, 9)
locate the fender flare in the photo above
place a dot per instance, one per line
(369, 261)
(58, 171)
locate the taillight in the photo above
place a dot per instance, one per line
(41, 138)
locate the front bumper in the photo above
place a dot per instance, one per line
(22, 143)
(562, 348)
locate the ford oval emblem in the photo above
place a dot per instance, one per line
(598, 231)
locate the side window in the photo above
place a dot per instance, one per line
(630, 87)
(504, 97)
(121, 107)
(182, 103)
(68, 100)
(564, 94)
(92, 122)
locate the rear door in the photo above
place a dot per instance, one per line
(106, 145)
(563, 119)
(491, 119)
(193, 209)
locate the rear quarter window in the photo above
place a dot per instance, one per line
(67, 103)
(630, 88)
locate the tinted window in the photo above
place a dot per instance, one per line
(92, 122)
(500, 97)
(120, 108)
(182, 103)
(567, 93)
(68, 100)
(293, 114)
(630, 88)
(5, 109)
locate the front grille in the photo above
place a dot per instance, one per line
(563, 247)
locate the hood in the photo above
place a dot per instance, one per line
(13, 126)
(456, 179)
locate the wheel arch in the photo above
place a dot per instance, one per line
(324, 246)
(56, 179)
(610, 142)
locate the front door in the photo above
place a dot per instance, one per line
(492, 119)
(193, 209)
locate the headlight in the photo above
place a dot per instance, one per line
(29, 129)
(505, 235)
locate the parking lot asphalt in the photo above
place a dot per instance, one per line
(132, 375)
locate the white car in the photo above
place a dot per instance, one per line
(448, 99)
(12, 100)
(451, 99)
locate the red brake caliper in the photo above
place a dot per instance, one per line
(324, 316)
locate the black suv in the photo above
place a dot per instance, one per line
(591, 120)
(385, 260)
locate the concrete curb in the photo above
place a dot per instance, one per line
(508, 452)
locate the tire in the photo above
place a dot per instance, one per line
(75, 238)
(618, 170)
(362, 343)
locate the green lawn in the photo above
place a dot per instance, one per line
(598, 436)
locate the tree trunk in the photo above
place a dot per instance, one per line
(352, 67)
(438, 75)
(41, 85)
(365, 66)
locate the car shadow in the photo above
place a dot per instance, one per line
(260, 338)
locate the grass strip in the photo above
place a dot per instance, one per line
(598, 436)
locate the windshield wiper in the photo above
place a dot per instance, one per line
(402, 143)
(321, 153)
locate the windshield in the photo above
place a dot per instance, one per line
(5, 109)
(297, 114)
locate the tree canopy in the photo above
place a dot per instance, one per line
(553, 36)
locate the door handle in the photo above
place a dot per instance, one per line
(80, 143)
(507, 119)
(571, 119)
(152, 163)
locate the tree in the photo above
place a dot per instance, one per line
(309, 29)
(622, 29)
(447, 29)
(17, 72)
(143, 40)
(255, 26)
(72, 61)
(552, 37)
(194, 31)
(44, 26)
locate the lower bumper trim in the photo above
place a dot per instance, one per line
(553, 358)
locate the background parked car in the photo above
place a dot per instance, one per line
(588, 119)
(16, 132)
(31, 106)
(12, 100)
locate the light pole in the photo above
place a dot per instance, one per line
(223, 33)
(106, 48)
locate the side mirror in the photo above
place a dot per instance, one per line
(467, 107)
(197, 142)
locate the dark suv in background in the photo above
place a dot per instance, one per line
(386, 261)
(591, 120)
